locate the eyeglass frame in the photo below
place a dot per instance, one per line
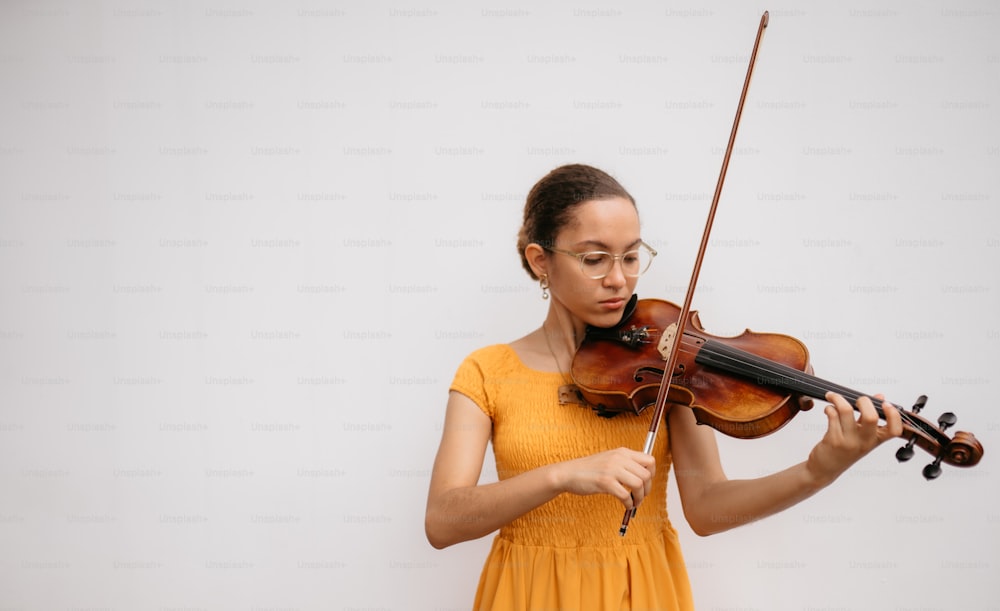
(614, 259)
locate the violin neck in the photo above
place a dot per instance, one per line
(766, 372)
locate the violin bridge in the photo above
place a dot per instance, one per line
(667, 341)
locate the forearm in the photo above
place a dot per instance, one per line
(466, 513)
(713, 503)
(730, 503)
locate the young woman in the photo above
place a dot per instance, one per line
(565, 474)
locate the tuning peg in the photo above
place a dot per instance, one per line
(933, 470)
(905, 453)
(947, 419)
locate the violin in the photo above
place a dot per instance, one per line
(745, 386)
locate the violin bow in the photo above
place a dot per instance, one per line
(661, 397)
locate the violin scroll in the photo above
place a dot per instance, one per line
(962, 450)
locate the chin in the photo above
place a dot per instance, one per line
(605, 319)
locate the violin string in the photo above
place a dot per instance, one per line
(750, 364)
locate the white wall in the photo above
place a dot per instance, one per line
(243, 247)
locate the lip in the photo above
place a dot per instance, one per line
(613, 304)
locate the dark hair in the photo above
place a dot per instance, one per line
(550, 203)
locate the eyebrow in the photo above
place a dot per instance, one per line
(599, 244)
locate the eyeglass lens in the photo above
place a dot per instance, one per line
(599, 264)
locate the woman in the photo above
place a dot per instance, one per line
(566, 475)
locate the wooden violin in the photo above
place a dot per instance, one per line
(745, 386)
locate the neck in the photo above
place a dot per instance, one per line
(563, 330)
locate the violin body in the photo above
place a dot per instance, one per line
(624, 376)
(746, 386)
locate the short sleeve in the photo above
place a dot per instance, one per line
(471, 381)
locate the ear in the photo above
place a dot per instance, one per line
(537, 258)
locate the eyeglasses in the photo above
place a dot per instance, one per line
(597, 264)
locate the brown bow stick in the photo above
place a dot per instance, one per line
(661, 397)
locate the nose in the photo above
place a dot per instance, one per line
(616, 277)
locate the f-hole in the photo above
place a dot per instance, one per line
(640, 373)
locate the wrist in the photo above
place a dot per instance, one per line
(818, 476)
(555, 479)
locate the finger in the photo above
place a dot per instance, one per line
(893, 421)
(644, 468)
(636, 487)
(643, 473)
(634, 481)
(892, 417)
(640, 470)
(648, 461)
(868, 422)
(615, 487)
(834, 430)
(625, 496)
(866, 409)
(844, 412)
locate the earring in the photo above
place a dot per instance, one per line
(544, 283)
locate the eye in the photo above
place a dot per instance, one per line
(595, 259)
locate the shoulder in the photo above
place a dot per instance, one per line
(490, 358)
(477, 376)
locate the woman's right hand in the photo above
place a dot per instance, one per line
(623, 473)
(459, 508)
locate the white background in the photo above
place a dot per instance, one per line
(244, 246)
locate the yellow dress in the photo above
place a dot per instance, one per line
(567, 554)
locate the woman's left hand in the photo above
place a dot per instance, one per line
(847, 439)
